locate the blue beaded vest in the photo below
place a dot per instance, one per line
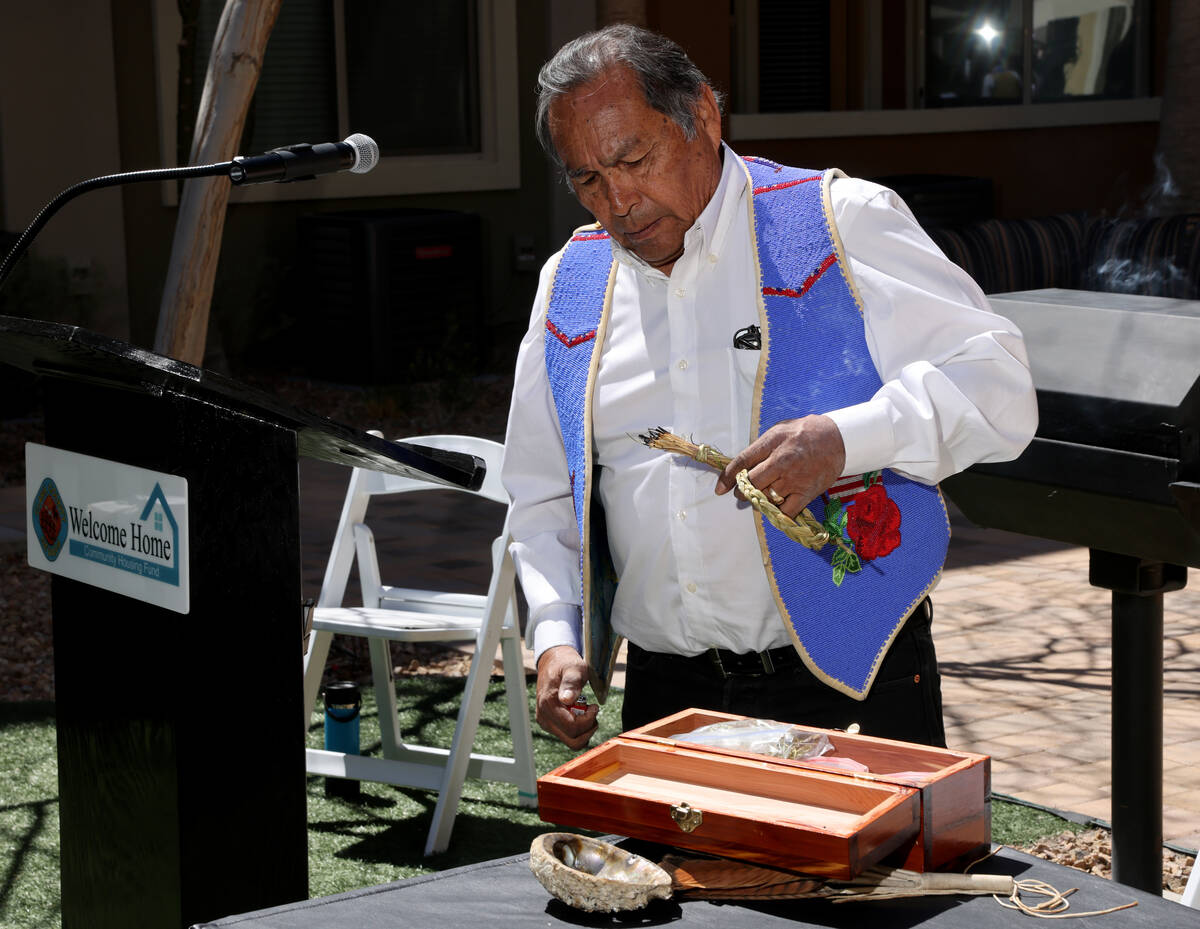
(842, 605)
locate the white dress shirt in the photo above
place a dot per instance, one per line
(956, 390)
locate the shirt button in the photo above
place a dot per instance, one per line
(682, 514)
(680, 292)
(683, 364)
(712, 259)
(691, 587)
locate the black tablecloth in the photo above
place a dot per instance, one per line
(504, 894)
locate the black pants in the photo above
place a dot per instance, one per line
(905, 702)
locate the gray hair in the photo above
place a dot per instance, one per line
(672, 83)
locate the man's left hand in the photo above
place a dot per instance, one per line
(792, 462)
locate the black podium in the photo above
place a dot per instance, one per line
(180, 737)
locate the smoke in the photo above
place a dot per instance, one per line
(1130, 276)
(1135, 249)
(1162, 196)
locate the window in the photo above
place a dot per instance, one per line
(386, 85)
(904, 66)
(433, 84)
(1016, 51)
(973, 53)
(1096, 49)
(788, 40)
(296, 96)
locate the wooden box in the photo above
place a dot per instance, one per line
(955, 787)
(740, 807)
(919, 807)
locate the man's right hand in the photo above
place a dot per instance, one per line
(561, 674)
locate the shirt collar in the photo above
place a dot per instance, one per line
(712, 225)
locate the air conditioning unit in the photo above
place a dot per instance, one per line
(392, 296)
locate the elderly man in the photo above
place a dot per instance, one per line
(798, 321)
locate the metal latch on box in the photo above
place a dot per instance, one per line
(686, 817)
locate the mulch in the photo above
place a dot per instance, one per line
(1091, 851)
(26, 649)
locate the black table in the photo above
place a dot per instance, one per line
(504, 894)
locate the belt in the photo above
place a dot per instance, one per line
(725, 664)
(749, 664)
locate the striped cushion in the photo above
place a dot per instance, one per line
(1157, 256)
(1018, 254)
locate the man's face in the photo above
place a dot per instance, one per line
(632, 167)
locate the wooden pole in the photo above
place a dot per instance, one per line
(233, 69)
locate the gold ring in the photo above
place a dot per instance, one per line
(773, 496)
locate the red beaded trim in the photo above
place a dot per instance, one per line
(803, 180)
(589, 236)
(572, 341)
(811, 279)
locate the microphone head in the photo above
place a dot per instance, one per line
(366, 152)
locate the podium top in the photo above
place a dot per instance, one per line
(76, 354)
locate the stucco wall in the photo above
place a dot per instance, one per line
(58, 126)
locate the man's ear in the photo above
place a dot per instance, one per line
(708, 116)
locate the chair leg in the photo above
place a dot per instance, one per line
(1191, 893)
(468, 715)
(455, 771)
(314, 666)
(385, 697)
(518, 717)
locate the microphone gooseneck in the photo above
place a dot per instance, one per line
(358, 154)
(96, 183)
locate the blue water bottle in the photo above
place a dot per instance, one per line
(342, 705)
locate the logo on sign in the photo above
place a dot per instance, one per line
(48, 523)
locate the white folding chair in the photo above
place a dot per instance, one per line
(1191, 893)
(390, 614)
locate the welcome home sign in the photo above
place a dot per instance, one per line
(107, 524)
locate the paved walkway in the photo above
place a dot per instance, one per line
(1023, 642)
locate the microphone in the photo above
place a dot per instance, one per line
(358, 154)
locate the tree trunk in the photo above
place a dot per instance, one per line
(233, 70)
(1179, 127)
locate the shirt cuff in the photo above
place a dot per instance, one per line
(557, 624)
(867, 435)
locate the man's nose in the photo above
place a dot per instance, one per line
(622, 195)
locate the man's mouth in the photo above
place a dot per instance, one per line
(643, 233)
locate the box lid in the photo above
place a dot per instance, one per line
(886, 760)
